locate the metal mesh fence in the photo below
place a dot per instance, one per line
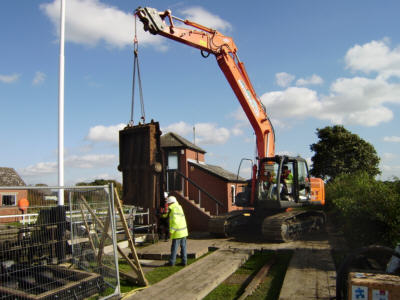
(51, 251)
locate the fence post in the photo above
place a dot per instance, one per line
(113, 230)
(71, 225)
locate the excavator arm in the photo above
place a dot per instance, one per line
(211, 41)
(270, 197)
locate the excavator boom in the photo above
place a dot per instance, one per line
(225, 51)
(270, 191)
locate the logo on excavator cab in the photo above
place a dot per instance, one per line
(249, 97)
(203, 43)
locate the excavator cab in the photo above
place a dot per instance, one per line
(283, 181)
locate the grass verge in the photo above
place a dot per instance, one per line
(268, 289)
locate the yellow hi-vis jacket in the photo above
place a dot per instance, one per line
(177, 221)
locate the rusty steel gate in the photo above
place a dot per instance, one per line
(141, 164)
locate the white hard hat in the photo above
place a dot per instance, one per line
(165, 195)
(171, 199)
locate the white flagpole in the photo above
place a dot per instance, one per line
(61, 108)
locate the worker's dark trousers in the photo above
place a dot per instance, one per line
(174, 249)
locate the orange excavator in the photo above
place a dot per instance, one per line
(279, 183)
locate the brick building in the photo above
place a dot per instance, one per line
(199, 178)
(9, 197)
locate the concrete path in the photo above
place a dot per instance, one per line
(198, 279)
(311, 275)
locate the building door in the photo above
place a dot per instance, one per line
(174, 181)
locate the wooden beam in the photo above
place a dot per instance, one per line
(254, 283)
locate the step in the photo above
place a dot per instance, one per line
(199, 207)
(198, 279)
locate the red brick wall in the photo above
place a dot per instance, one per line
(190, 154)
(216, 186)
(11, 210)
(196, 219)
(183, 164)
(213, 185)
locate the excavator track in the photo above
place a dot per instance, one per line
(290, 226)
(281, 227)
(228, 224)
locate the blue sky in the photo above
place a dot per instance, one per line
(313, 64)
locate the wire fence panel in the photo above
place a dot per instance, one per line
(49, 251)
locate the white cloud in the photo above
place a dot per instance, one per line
(360, 101)
(375, 56)
(90, 22)
(312, 80)
(387, 156)
(38, 78)
(237, 131)
(105, 176)
(294, 102)
(284, 79)
(90, 161)
(206, 133)
(180, 128)
(357, 100)
(102, 133)
(9, 78)
(200, 15)
(239, 114)
(74, 161)
(393, 139)
(39, 168)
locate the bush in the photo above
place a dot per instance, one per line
(368, 210)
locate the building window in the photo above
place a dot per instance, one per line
(173, 160)
(8, 200)
(233, 193)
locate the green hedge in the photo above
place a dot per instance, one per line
(367, 209)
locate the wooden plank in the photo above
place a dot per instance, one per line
(254, 283)
(198, 279)
(138, 270)
(104, 234)
(131, 264)
(87, 229)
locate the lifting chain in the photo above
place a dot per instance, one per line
(136, 69)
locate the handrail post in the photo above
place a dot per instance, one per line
(199, 197)
(198, 187)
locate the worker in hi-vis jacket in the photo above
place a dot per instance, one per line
(177, 230)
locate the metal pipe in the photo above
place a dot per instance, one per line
(83, 187)
(61, 107)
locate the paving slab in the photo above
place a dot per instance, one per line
(162, 250)
(311, 275)
(198, 279)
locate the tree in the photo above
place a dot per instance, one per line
(339, 151)
(117, 185)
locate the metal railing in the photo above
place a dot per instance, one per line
(62, 251)
(200, 190)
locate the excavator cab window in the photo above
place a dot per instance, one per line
(303, 182)
(284, 179)
(267, 184)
